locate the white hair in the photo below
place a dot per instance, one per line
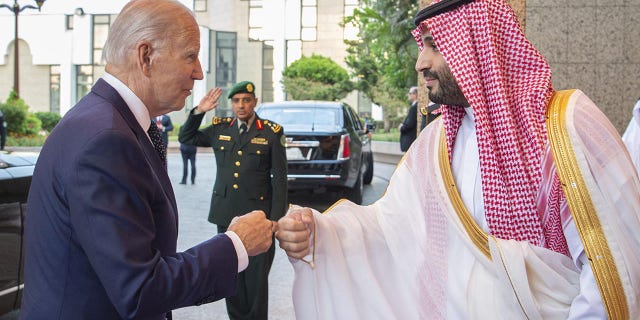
(156, 21)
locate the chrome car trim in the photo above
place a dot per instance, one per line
(313, 176)
(11, 290)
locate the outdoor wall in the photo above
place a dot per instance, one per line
(592, 45)
(33, 86)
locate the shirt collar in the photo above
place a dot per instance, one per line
(137, 107)
(249, 123)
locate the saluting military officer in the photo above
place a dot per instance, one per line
(251, 175)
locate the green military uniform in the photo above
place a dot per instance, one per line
(244, 166)
(251, 175)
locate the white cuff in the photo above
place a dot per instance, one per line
(243, 257)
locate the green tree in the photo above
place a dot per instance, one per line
(384, 56)
(48, 119)
(316, 78)
(19, 121)
(15, 113)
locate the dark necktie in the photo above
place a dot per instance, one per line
(243, 128)
(158, 144)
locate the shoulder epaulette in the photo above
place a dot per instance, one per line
(274, 126)
(219, 120)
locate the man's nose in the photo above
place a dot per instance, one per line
(423, 62)
(198, 74)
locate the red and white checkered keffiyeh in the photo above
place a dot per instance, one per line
(508, 84)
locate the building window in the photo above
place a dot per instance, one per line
(309, 20)
(256, 20)
(54, 88)
(267, 72)
(199, 5)
(68, 21)
(226, 54)
(100, 32)
(84, 80)
(350, 30)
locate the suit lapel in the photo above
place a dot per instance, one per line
(103, 89)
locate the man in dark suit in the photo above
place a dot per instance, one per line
(102, 218)
(164, 126)
(251, 175)
(3, 132)
(408, 128)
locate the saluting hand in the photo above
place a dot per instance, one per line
(294, 232)
(210, 100)
(255, 231)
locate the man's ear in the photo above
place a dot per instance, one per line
(144, 51)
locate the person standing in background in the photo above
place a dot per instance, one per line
(251, 175)
(3, 131)
(428, 114)
(164, 126)
(188, 153)
(408, 128)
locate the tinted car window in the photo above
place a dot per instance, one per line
(292, 118)
(354, 118)
(348, 120)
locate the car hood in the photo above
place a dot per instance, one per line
(17, 164)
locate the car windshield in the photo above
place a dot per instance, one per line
(303, 116)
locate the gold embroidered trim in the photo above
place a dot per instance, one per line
(478, 237)
(583, 211)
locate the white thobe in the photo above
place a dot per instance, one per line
(465, 166)
(410, 255)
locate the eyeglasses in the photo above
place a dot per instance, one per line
(244, 100)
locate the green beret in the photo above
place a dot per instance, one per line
(242, 87)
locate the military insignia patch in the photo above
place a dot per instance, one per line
(224, 138)
(259, 140)
(274, 126)
(249, 87)
(283, 141)
(423, 111)
(219, 120)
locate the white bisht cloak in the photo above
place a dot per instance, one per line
(388, 260)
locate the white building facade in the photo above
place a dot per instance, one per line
(60, 47)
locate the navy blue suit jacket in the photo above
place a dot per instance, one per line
(102, 225)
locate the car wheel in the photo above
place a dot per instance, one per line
(355, 194)
(368, 173)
